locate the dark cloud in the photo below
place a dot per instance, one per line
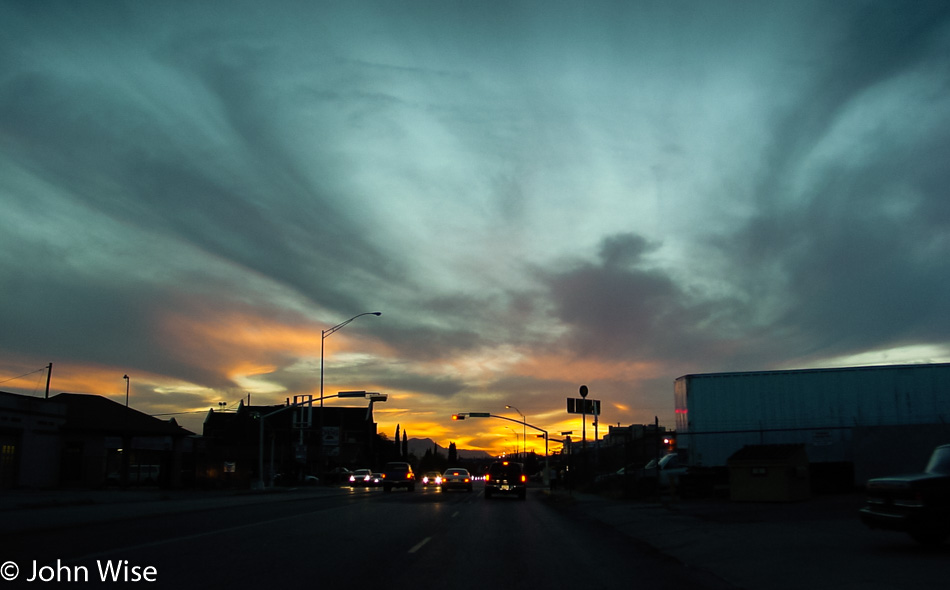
(690, 186)
(621, 307)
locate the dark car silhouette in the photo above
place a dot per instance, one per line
(506, 477)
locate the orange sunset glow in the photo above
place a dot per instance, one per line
(327, 195)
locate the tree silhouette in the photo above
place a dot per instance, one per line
(453, 454)
(396, 441)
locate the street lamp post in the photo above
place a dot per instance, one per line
(323, 338)
(524, 422)
(517, 450)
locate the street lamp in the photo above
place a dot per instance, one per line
(323, 337)
(516, 440)
(126, 377)
(524, 422)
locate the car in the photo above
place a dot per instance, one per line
(339, 475)
(506, 477)
(917, 504)
(377, 480)
(432, 478)
(458, 478)
(669, 473)
(361, 477)
(398, 474)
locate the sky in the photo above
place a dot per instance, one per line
(536, 195)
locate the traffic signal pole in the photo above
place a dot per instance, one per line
(462, 415)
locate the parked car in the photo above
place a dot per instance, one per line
(361, 477)
(667, 475)
(457, 478)
(432, 478)
(917, 504)
(506, 477)
(398, 474)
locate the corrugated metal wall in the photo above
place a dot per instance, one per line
(718, 413)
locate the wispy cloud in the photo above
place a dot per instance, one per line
(614, 194)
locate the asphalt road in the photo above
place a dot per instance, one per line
(363, 538)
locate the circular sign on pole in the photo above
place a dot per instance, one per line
(583, 391)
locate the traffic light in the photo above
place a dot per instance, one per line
(458, 416)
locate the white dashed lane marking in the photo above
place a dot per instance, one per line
(419, 545)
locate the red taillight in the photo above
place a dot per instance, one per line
(524, 478)
(384, 476)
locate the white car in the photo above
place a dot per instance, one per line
(671, 469)
(457, 477)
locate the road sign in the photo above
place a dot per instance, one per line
(583, 406)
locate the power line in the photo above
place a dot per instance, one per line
(24, 375)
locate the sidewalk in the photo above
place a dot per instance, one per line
(32, 510)
(814, 544)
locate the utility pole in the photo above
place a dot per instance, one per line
(49, 373)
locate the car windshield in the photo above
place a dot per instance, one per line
(940, 461)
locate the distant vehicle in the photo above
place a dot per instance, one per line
(917, 504)
(432, 478)
(457, 478)
(361, 477)
(339, 475)
(506, 477)
(398, 474)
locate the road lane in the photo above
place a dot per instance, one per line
(367, 538)
(505, 542)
